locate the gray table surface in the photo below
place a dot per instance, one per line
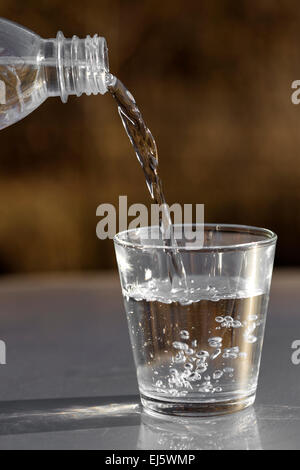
(69, 381)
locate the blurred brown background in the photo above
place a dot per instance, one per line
(213, 79)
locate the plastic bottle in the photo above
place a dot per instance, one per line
(33, 69)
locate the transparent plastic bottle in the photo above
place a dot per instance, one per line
(32, 69)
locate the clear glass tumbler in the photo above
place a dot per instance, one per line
(197, 344)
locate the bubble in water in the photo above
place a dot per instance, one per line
(231, 352)
(188, 365)
(201, 354)
(229, 322)
(186, 373)
(189, 351)
(194, 376)
(250, 339)
(228, 370)
(217, 374)
(202, 367)
(251, 327)
(218, 339)
(179, 345)
(228, 318)
(218, 389)
(206, 388)
(179, 358)
(252, 317)
(172, 380)
(187, 385)
(215, 354)
(148, 274)
(215, 342)
(201, 360)
(219, 319)
(184, 334)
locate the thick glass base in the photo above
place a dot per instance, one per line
(153, 406)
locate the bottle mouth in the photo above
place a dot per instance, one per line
(82, 65)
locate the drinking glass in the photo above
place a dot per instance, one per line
(196, 341)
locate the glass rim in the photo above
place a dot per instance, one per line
(270, 238)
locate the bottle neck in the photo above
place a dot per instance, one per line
(75, 66)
